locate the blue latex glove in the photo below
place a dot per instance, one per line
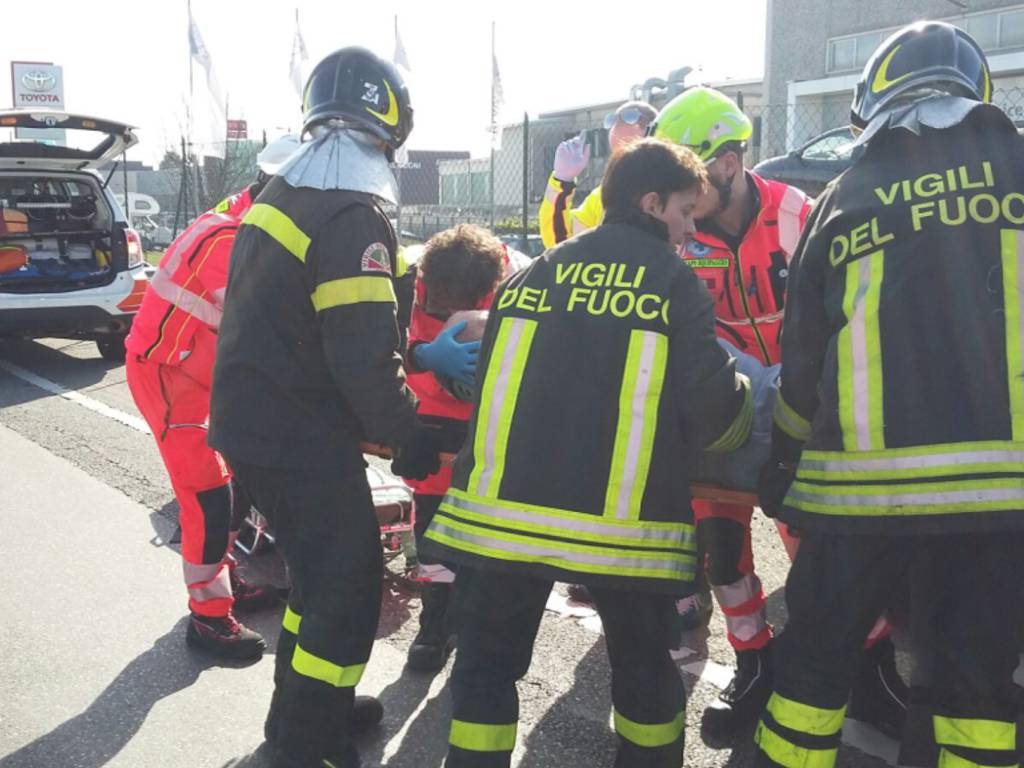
(448, 357)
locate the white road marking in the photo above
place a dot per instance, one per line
(78, 398)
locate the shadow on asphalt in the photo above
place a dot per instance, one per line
(91, 739)
(76, 373)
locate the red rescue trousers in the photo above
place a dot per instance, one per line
(176, 405)
(724, 534)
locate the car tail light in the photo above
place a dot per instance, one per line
(136, 255)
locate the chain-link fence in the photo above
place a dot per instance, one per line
(502, 189)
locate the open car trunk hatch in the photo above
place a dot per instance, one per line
(90, 141)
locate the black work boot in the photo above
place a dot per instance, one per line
(367, 711)
(430, 650)
(743, 701)
(308, 735)
(224, 636)
(248, 596)
(879, 695)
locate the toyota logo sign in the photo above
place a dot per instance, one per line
(38, 80)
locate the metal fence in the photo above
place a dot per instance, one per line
(502, 190)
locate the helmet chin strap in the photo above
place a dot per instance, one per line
(724, 189)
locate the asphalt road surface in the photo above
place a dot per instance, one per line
(94, 670)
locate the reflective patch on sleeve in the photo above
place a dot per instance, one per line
(376, 258)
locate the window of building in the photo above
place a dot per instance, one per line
(984, 29)
(994, 30)
(1011, 29)
(842, 54)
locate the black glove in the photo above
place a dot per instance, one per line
(773, 483)
(420, 457)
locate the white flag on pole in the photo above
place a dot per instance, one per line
(299, 57)
(497, 102)
(401, 58)
(209, 122)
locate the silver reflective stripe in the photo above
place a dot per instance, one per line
(207, 582)
(682, 536)
(641, 409)
(745, 628)
(681, 566)
(858, 337)
(187, 301)
(952, 460)
(790, 208)
(921, 498)
(742, 591)
(200, 229)
(496, 401)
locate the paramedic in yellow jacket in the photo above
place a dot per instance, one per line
(558, 219)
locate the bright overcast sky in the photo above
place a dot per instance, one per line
(129, 60)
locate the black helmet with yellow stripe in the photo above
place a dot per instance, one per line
(924, 55)
(355, 85)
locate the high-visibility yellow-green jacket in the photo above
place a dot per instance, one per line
(559, 220)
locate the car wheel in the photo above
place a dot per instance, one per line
(111, 347)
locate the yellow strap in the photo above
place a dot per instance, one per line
(309, 665)
(481, 737)
(975, 734)
(790, 755)
(739, 430)
(277, 224)
(650, 735)
(353, 290)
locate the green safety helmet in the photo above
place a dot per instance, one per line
(702, 119)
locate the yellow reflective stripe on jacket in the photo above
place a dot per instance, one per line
(401, 265)
(639, 399)
(577, 526)
(498, 402)
(291, 620)
(482, 737)
(789, 421)
(737, 432)
(1013, 293)
(354, 290)
(994, 735)
(914, 462)
(522, 547)
(860, 357)
(277, 224)
(949, 759)
(650, 735)
(310, 665)
(785, 753)
(804, 718)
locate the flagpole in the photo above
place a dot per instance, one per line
(494, 126)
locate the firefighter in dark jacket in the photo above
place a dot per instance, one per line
(308, 364)
(599, 371)
(900, 424)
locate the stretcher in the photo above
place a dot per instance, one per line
(396, 513)
(392, 501)
(705, 491)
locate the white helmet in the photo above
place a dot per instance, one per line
(276, 153)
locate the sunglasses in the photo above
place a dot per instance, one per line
(629, 116)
